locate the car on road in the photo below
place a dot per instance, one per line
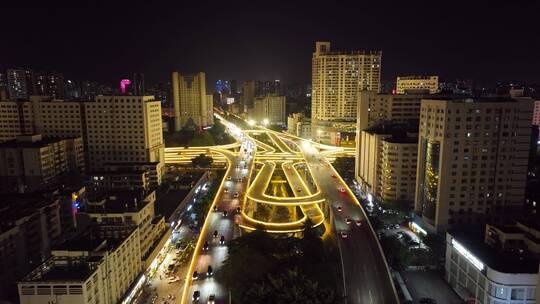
(222, 240)
(358, 223)
(342, 190)
(210, 271)
(216, 208)
(339, 208)
(195, 275)
(334, 176)
(239, 179)
(226, 189)
(206, 246)
(211, 299)
(348, 221)
(225, 213)
(396, 226)
(196, 296)
(299, 190)
(235, 194)
(229, 177)
(344, 234)
(238, 210)
(215, 233)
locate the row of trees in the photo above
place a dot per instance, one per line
(264, 269)
(192, 136)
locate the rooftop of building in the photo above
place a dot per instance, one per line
(30, 141)
(118, 171)
(399, 132)
(414, 77)
(14, 207)
(476, 100)
(61, 273)
(116, 201)
(496, 259)
(89, 241)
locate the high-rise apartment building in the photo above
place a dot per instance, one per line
(32, 163)
(249, 92)
(337, 79)
(271, 108)
(472, 160)
(137, 85)
(417, 84)
(42, 116)
(386, 163)
(191, 101)
(124, 130)
(19, 83)
(389, 109)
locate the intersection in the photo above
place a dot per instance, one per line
(276, 182)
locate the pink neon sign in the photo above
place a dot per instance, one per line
(123, 84)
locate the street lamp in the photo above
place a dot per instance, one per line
(266, 121)
(251, 122)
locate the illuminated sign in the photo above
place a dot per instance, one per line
(469, 256)
(123, 84)
(417, 228)
(230, 100)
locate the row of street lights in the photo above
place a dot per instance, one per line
(265, 122)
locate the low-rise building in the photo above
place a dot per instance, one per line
(120, 210)
(300, 125)
(524, 236)
(87, 269)
(417, 83)
(483, 274)
(31, 162)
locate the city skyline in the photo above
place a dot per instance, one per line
(455, 41)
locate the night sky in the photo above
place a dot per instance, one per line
(484, 41)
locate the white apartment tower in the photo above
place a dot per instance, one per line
(337, 79)
(191, 101)
(472, 160)
(124, 130)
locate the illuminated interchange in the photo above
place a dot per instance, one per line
(277, 182)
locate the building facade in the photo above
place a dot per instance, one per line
(86, 270)
(387, 164)
(122, 210)
(337, 79)
(40, 115)
(124, 130)
(31, 163)
(472, 160)
(417, 83)
(271, 108)
(536, 113)
(191, 101)
(482, 274)
(31, 224)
